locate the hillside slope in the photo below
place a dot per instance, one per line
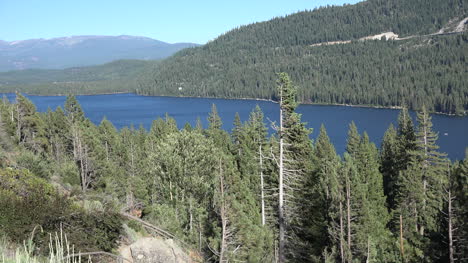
(75, 51)
(243, 62)
(116, 76)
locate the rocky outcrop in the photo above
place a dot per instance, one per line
(153, 250)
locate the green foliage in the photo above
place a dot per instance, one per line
(116, 76)
(389, 163)
(214, 119)
(34, 163)
(243, 62)
(217, 191)
(28, 202)
(420, 187)
(354, 139)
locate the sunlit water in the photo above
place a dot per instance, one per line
(130, 109)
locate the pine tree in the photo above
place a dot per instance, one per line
(214, 119)
(354, 139)
(294, 163)
(460, 199)
(324, 149)
(324, 197)
(215, 131)
(236, 134)
(372, 239)
(432, 165)
(30, 127)
(80, 141)
(419, 199)
(389, 164)
(73, 109)
(406, 139)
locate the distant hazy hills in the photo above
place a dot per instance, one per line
(64, 52)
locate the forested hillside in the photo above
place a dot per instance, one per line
(117, 76)
(238, 196)
(426, 70)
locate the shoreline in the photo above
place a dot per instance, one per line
(254, 99)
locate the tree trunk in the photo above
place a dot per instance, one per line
(402, 248)
(191, 216)
(348, 212)
(368, 250)
(281, 220)
(80, 156)
(107, 151)
(199, 235)
(130, 181)
(450, 227)
(341, 234)
(421, 226)
(261, 185)
(425, 167)
(223, 217)
(170, 189)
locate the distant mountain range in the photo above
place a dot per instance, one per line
(75, 51)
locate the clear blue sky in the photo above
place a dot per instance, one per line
(170, 21)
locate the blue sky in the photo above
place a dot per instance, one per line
(170, 21)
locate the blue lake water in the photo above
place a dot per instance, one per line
(130, 109)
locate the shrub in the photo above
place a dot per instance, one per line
(27, 201)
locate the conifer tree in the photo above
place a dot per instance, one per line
(452, 246)
(214, 119)
(430, 161)
(321, 191)
(372, 239)
(459, 185)
(215, 132)
(57, 130)
(354, 139)
(406, 139)
(30, 127)
(389, 164)
(419, 199)
(294, 161)
(324, 149)
(78, 143)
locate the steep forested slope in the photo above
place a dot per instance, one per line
(243, 62)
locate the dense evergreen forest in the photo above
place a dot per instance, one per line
(234, 196)
(428, 69)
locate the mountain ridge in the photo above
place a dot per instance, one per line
(244, 61)
(82, 50)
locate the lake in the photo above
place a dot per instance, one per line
(131, 109)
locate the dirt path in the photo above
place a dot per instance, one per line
(392, 36)
(461, 26)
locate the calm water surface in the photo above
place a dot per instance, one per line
(130, 109)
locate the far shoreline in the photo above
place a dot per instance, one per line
(252, 99)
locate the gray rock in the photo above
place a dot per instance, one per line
(152, 250)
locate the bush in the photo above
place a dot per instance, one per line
(27, 201)
(34, 163)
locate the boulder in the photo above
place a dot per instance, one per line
(153, 250)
